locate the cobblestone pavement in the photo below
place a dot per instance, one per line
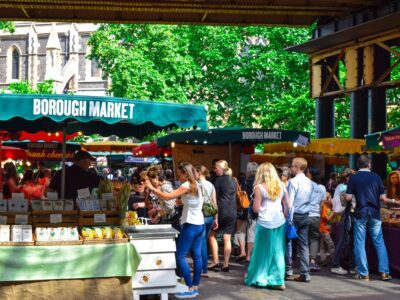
(324, 285)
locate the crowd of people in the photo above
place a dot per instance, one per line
(203, 206)
(279, 196)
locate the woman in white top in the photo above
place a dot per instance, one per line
(267, 263)
(190, 238)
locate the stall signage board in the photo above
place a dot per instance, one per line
(55, 218)
(99, 218)
(391, 139)
(21, 219)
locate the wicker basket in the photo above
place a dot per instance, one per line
(17, 243)
(58, 243)
(125, 239)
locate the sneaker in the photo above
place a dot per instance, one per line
(385, 277)
(314, 267)
(361, 277)
(187, 295)
(302, 278)
(353, 271)
(339, 271)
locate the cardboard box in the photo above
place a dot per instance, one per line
(12, 205)
(36, 205)
(68, 204)
(73, 234)
(16, 233)
(96, 204)
(42, 234)
(27, 233)
(58, 205)
(4, 233)
(47, 205)
(3, 205)
(22, 205)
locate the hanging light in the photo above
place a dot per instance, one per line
(173, 145)
(57, 133)
(80, 133)
(28, 163)
(295, 144)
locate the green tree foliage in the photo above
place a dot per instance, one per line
(7, 26)
(23, 87)
(242, 74)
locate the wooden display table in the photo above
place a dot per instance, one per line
(68, 272)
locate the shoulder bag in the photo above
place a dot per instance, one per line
(242, 198)
(209, 209)
(291, 230)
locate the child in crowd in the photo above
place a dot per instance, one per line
(327, 246)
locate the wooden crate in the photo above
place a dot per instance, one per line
(42, 218)
(11, 217)
(86, 218)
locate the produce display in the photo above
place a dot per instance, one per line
(123, 197)
(390, 217)
(46, 234)
(102, 232)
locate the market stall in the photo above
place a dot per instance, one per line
(230, 144)
(53, 222)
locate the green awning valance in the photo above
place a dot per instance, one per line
(234, 135)
(95, 114)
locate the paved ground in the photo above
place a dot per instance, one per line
(324, 285)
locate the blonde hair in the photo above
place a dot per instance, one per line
(223, 164)
(300, 162)
(188, 169)
(266, 173)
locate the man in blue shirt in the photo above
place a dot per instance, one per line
(368, 189)
(300, 188)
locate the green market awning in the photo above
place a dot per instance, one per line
(388, 139)
(234, 135)
(95, 114)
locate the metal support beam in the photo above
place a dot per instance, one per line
(377, 106)
(325, 117)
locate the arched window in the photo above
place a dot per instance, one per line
(95, 70)
(15, 64)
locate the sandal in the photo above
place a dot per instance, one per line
(361, 277)
(215, 266)
(240, 258)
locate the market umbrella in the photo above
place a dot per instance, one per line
(151, 149)
(14, 153)
(95, 114)
(40, 136)
(109, 146)
(327, 146)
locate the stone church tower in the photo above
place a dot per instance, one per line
(51, 51)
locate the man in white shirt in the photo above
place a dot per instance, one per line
(300, 188)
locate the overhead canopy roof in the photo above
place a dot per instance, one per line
(95, 114)
(242, 12)
(233, 135)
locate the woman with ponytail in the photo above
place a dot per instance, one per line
(225, 188)
(190, 238)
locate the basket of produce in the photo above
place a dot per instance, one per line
(103, 235)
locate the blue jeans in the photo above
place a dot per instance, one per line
(208, 221)
(374, 228)
(301, 221)
(190, 239)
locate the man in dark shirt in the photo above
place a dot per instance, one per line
(368, 189)
(76, 177)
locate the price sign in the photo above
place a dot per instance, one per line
(99, 218)
(3, 220)
(55, 218)
(83, 193)
(52, 196)
(21, 219)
